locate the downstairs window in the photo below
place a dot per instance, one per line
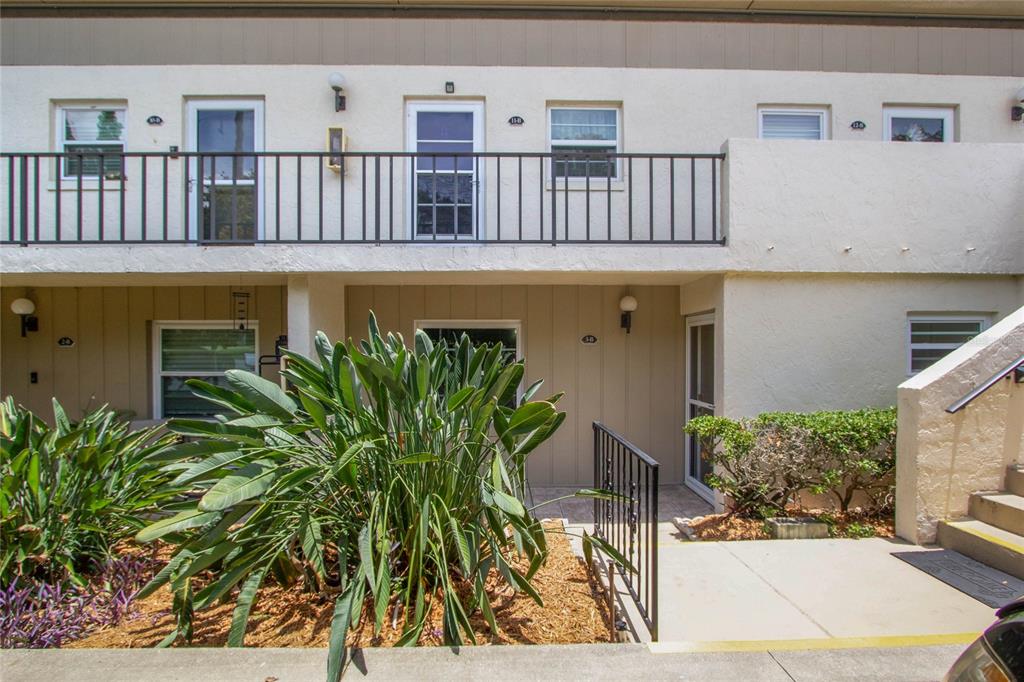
(197, 350)
(931, 337)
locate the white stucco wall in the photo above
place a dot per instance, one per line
(817, 342)
(942, 458)
(692, 110)
(803, 199)
(848, 207)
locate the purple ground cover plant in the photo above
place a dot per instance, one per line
(40, 615)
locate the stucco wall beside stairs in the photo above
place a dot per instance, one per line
(942, 458)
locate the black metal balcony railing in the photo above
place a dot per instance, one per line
(629, 521)
(359, 197)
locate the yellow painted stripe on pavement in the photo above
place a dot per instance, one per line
(990, 538)
(884, 642)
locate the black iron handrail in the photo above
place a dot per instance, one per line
(629, 521)
(294, 197)
(1016, 368)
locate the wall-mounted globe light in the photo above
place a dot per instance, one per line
(337, 83)
(627, 305)
(24, 308)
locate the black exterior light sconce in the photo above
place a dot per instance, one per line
(1017, 111)
(24, 308)
(337, 83)
(627, 305)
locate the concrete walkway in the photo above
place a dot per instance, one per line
(805, 589)
(777, 590)
(494, 663)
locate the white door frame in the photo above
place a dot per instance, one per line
(476, 108)
(695, 321)
(192, 107)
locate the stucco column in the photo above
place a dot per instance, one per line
(315, 303)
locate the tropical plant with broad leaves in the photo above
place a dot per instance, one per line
(387, 477)
(70, 491)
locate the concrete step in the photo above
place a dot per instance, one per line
(1002, 510)
(986, 543)
(1015, 479)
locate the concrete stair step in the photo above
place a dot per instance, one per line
(1015, 479)
(1002, 510)
(986, 543)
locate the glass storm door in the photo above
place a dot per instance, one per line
(700, 396)
(225, 189)
(445, 198)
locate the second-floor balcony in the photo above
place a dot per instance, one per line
(782, 206)
(248, 198)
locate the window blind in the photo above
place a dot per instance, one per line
(791, 126)
(584, 124)
(585, 131)
(204, 351)
(89, 132)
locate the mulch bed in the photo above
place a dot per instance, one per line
(574, 612)
(732, 527)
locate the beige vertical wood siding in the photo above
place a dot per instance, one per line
(511, 42)
(633, 383)
(111, 359)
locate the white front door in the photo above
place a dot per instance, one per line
(446, 198)
(225, 191)
(700, 396)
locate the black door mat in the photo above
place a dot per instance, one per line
(986, 584)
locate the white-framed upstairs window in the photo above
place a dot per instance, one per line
(932, 337)
(84, 132)
(592, 130)
(919, 124)
(184, 350)
(792, 123)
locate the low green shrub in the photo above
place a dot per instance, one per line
(69, 492)
(387, 475)
(762, 464)
(851, 451)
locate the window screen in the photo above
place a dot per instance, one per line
(87, 133)
(591, 132)
(199, 353)
(931, 338)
